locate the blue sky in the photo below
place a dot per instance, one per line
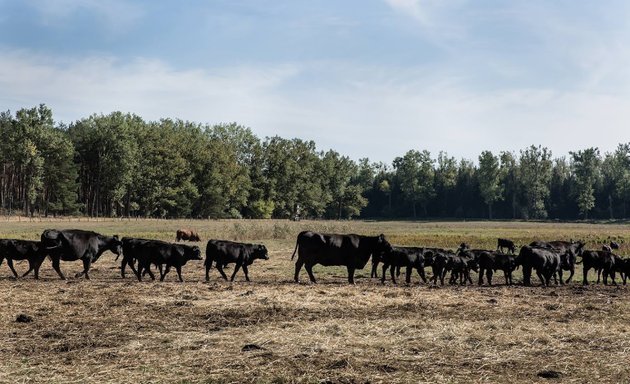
(370, 78)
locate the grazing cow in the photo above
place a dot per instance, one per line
(409, 257)
(14, 249)
(225, 252)
(187, 234)
(505, 243)
(571, 248)
(162, 253)
(76, 244)
(602, 261)
(546, 262)
(490, 262)
(352, 251)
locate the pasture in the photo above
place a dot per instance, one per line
(272, 330)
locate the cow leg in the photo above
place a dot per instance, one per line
(599, 274)
(55, 265)
(10, 264)
(220, 269)
(351, 274)
(384, 267)
(585, 275)
(489, 273)
(238, 266)
(542, 279)
(374, 272)
(612, 277)
(481, 271)
(392, 272)
(31, 266)
(571, 272)
(422, 275)
(166, 270)
(178, 268)
(298, 266)
(309, 270)
(408, 274)
(246, 272)
(86, 267)
(468, 276)
(398, 271)
(208, 265)
(605, 277)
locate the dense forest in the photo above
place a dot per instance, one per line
(120, 165)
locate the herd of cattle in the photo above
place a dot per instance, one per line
(547, 259)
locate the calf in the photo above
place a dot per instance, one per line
(440, 264)
(161, 253)
(505, 243)
(409, 257)
(545, 261)
(571, 249)
(490, 262)
(14, 249)
(460, 266)
(602, 261)
(225, 252)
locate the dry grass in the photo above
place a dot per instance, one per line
(114, 330)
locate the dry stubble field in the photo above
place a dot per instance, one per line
(114, 330)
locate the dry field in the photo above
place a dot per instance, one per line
(272, 330)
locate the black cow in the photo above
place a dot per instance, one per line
(409, 257)
(571, 248)
(162, 253)
(14, 249)
(439, 265)
(460, 266)
(602, 261)
(546, 262)
(225, 252)
(76, 244)
(131, 252)
(505, 243)
(490, 262)
(625, 269)
(352, 251)
(614, 245)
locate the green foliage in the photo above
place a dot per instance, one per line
(488, 175)
(535, 176)
(586, 167)
(120, 165)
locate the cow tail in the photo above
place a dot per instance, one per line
(297, 243)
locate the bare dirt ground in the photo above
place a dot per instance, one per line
(272, 330)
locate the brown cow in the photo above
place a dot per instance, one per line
(187, 234)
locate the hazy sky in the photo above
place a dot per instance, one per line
(369, 78)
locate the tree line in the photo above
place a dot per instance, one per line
(119, 165)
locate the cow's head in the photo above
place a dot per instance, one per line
(260, 252)
(382, 245)
(115, 245)
(463, 247)
(577, 247)
(193, 253)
